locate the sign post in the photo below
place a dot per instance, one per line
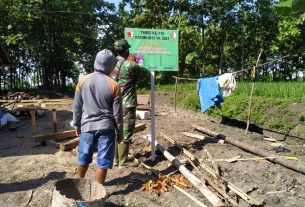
(155, 50)
(152, 116)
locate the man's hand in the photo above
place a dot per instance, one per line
(77, 131)
(131, 58)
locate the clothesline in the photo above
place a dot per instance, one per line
(250, 68)
(272, 61)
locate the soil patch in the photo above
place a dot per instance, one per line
(28, 172)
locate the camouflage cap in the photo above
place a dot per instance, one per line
(121, 44)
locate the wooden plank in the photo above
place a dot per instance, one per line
(56, 136)
(143, 107)
(139, 127)
(201, 137)
(143, 102)
(64, 145)
(143, 99)
(67, 145)
(192, 135)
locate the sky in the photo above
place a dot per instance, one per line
(116, 2)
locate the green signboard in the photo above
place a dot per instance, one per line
(154, 49)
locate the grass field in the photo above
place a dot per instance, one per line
(269, 104)
(286, 90)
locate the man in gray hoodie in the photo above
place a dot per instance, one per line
(97, 115)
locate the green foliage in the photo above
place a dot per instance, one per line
(59, 38)
(53, 37)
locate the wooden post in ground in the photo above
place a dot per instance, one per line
(33, 121)
(152, 116)
(54, 119)
(252, 88)
(176, 83)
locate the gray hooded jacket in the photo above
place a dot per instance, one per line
(97, 100)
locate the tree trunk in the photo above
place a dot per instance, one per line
(11, 78)
(220, 53)
(202, 39)
(1, 74)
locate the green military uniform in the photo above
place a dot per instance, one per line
(126, 73)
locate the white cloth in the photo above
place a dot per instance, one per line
(227, 83)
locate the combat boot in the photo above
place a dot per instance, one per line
(124, 160)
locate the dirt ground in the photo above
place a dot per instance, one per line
(28, 171)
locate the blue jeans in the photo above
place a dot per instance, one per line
(105, 141)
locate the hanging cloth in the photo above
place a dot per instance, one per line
(209, 93)
(227, 83)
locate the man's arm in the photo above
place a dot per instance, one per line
(118, 113)
(78, 110)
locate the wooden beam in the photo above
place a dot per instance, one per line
(57, 136)
(139, 127)
(279, 160)
(192, 135)
(201, 137)
(64, 144)
(67, 145)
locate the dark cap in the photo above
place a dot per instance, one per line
(121, 44)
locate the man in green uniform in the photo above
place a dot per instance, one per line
(126, 73)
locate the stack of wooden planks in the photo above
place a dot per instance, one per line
(65, 140)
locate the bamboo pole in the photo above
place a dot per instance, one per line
(231, 186)
(157, 173)
(176, 83)
(190, 196)
(250, 100)
(218, 189)
(269, 156)
(211, 197)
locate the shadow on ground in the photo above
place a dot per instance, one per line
(254, 128)
(30, 184)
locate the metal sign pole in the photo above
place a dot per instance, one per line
(152, 111)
